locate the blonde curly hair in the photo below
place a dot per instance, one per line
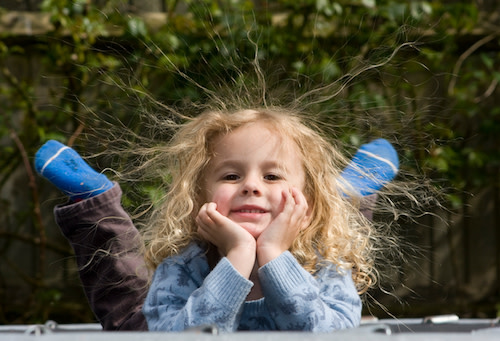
(338, 233)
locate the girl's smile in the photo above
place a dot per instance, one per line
(248, 210)
(251, 169)
(247, 213)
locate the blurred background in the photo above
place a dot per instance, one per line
(65, 63)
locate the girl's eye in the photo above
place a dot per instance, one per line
(272, 177)
(231, 177)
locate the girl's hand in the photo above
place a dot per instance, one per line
(232, 240)
(281, 233)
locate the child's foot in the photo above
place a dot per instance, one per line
(374, 164)
(64, 168)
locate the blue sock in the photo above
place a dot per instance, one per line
(65, 168)
(374, 164)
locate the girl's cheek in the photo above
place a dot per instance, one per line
(223, 204)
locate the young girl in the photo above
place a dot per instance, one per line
(256, 232)
(299, 186)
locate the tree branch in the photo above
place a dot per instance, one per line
(36, 203)
(463, 57)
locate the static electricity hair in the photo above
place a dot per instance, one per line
(338, 233)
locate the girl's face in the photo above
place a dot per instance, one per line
(250, 169)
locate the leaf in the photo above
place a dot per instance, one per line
(487, 60)
(136, 27)
(368, 3)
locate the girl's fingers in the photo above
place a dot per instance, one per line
(301, 208)
(202, 219)
(220, 230)
(214, 215)
(208, 214)
(291, 218)
(299, 198)
(281, 233)
(206, 224)
(295, 208)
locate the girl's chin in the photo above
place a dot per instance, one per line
(254, 230)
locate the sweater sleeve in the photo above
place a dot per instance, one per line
(184, 293)
(298, 301)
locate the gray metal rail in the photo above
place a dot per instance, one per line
(436, 328)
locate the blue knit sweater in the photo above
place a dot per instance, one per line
(184, 293)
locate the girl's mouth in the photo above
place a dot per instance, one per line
(250, 211)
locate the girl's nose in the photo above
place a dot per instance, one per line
(251, 186)
(252, 191)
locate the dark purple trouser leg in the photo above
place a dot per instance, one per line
(106, 244)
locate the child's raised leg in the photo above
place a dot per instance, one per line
(375, 164)
(105, 241)
(62, 166)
